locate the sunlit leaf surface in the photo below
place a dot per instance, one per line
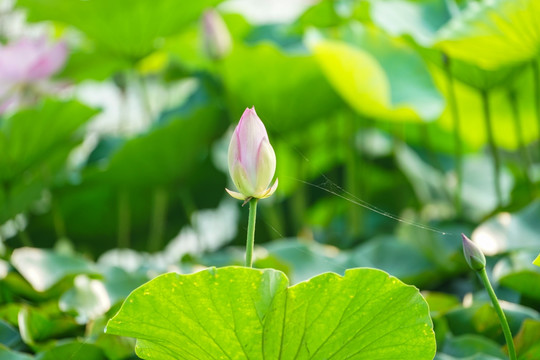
(241, 313)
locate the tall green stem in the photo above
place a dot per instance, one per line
(536, 81)
(500, 314)
(351, 172)
(250, 241)
(492, 147)
(124, 219)
(452, 101)
(518, 128)
(159, 219)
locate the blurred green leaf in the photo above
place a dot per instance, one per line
(88, 65)
(288, 93)
(34, 144)
(322, 14)
(171, 160)
(345, 320)
(73, 350)
(481, 319)
(470, 108)
(130, 28)
(517, 272)
(440, 303)
(493, 34)
(307, 259)
(9, 336)
(36, 326)
(44, 268)
(419, 19)
(7, 354)
(478, 189)
(510, 231)
(379, 76)
(468, 345)
(397, 258)
(527, 340)
(88, 298)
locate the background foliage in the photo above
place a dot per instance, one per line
(397, 125)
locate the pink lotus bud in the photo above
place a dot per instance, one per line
(216, 37)
(473, 255)
(29, 60)
(252, 161)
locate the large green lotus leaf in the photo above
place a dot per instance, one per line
(242, 313)
(493, 33)
(125, 27)
(518, 273)
(288, 90)
(379, 76)
(34, 144)
(510, 231)
(44, 268)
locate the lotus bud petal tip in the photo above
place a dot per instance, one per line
(252, 160)
(473, 255)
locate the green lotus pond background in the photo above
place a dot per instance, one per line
(397, 126)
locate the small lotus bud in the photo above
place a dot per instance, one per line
(216, 37)
(252, 161)
(473, 255)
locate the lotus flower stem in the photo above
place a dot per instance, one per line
(492, 147)
(452, 100)
(353, 159)
(536, 81)
(250, 241)
(500, 314)
(124, 219)
(159, 219)
(518, 128)
(477, 261)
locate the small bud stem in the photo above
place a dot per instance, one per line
(251, 231)
(500, 313)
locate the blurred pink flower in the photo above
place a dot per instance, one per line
(217, 39)
(29, 60)
(26, 62)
